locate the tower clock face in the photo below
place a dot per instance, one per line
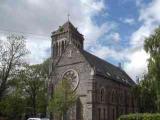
(72, 77)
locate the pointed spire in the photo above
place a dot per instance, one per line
(68, 26)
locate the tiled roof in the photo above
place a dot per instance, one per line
(108, 70)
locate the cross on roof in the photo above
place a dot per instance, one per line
(68, 16)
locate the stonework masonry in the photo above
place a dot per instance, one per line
(103, 89)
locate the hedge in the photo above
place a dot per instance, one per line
(140, 116)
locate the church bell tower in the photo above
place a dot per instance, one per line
(65, 35)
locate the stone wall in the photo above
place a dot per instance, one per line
(111, 99)
(77, 62)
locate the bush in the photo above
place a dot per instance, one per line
(140, 116)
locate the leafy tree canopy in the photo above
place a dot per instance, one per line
(63, 98)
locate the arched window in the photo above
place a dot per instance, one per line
(113, 97)
(121, 97)
(56, 50)
(65, 43)
(53, 50)
(62, 46)
(102, 95)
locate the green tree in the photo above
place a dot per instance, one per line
(22, 86)
(43, 71)
(28, 92)
(13, 106)
(63, 98)
(145, 95)
(12, 52)
(152, 46)
(33, 86)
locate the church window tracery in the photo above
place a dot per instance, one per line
(102, 95)
(62, 46)
(113, 97)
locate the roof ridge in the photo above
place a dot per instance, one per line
(104, 67)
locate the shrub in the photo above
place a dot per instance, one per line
(140, 116)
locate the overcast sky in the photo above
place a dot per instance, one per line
(113, 29)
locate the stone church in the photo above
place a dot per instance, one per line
(103, 89)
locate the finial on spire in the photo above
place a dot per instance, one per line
(68, 16)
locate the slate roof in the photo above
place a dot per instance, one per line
(108, 70)
(68, 26)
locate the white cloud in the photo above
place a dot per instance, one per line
(2, 37)
(114, 37)
(135, 57)
(43, 17)
(40, 49)
(137, 63)
(150, 18)
(129, 21)
(103, 51)
(93, 32)
(93, 5)
(138, 37)
(39, 17)
(149, 14)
